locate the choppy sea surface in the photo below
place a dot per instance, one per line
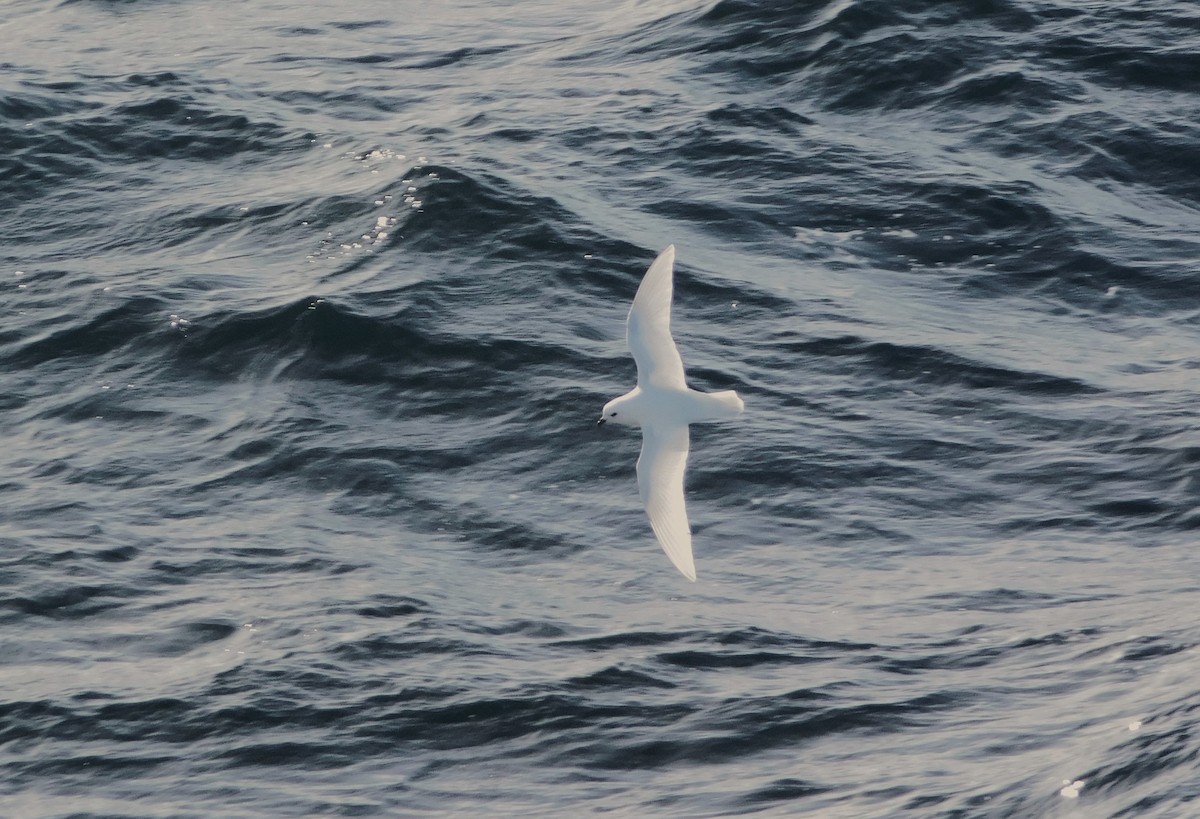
(308, 311)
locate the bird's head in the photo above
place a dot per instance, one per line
(619, 411)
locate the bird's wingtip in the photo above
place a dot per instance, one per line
(686, 568)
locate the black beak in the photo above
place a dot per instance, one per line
(601, 421)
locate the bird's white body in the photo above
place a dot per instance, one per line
(663, 406)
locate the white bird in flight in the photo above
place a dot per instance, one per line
(663, 406)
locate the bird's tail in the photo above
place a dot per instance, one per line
(718, 406)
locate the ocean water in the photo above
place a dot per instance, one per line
(308, 313)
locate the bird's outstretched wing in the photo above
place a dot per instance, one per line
(648, 330)
(660, 481)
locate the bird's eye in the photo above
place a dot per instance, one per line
(612, 415)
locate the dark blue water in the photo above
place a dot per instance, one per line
(308, 313)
